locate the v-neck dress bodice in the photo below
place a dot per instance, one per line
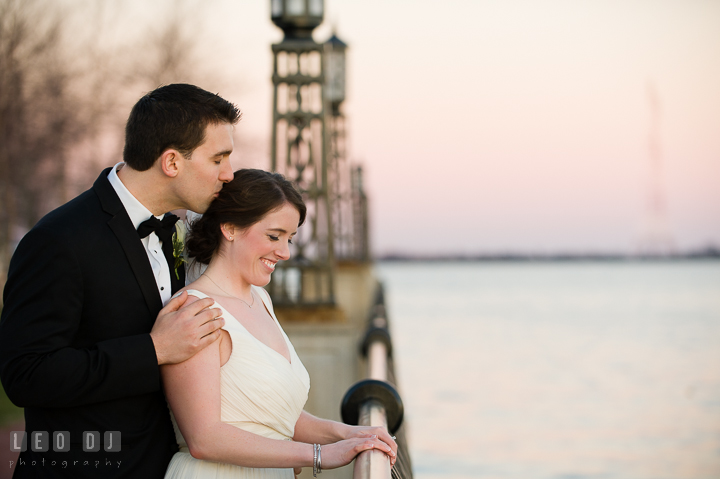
(260, 392)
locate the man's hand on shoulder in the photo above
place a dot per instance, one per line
(183, 328)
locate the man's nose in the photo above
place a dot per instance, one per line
(226, 172)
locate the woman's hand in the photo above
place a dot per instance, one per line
(341, 453)
(310, 429)
(379, 432)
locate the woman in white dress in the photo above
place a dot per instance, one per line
(238, 404)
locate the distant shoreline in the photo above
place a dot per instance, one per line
(708, 254)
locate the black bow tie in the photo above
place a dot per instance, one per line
(162, 228)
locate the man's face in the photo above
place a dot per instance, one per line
(207, 169)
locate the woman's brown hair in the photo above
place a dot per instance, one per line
(242, 202)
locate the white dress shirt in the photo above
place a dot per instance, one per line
(152, 244)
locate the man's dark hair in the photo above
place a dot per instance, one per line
(172, 116)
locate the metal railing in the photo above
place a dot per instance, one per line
(375, 401)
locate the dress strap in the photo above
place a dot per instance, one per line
(265, 298)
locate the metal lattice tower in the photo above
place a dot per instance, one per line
(299, 151)
(309, 147)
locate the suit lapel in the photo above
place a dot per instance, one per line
(122, 227)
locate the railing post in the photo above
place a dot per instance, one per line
(372, 464)
(377, 361)
(374, 401)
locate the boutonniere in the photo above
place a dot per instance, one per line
(178, 242)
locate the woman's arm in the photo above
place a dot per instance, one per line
(193, 391)
(321, 431)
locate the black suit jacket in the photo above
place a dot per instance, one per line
(75, 350)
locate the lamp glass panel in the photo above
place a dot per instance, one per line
(335, 88)
(316, 7)
(295, 7)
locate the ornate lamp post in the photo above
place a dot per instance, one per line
(299, 150)
(348, 198)
(337, 154)
(335, 81)
(297, 18)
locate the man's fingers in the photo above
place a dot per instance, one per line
(175, 302)
(209, 338)
(212, 326)
(195, 307)
(207, 316)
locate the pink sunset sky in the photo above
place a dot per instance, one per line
(507, 125)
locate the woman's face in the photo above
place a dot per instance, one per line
(256, 250)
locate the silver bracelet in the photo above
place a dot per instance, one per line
(319, 460)
(316, 453)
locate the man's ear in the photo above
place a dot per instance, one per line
(169, 162)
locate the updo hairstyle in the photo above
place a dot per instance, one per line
(242, 202)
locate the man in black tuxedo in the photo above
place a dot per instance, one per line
(83, 329)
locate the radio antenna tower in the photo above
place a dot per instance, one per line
(655, 237)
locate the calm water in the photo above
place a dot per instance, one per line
(552, 370)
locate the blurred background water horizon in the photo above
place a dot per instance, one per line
(558, 370)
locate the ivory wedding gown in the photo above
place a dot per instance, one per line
(260, 392)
